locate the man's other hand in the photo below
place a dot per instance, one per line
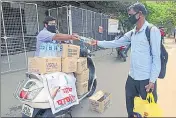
(93, 42)
(75, 36)
(150, 86)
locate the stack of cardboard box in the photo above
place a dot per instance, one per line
(82, 76)
(68, 62)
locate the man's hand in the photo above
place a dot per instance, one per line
(93, 42)
(74, 36)
(150, 86)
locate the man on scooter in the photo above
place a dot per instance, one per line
(144, 69)
(48, 34)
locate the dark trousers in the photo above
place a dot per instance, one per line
(135, 88)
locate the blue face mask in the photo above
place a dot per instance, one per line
(51, 28)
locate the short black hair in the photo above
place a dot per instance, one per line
(48, 18)
(138, 7)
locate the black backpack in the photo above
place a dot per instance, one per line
(163, 56)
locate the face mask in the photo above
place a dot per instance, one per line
(132, 19)
(51, 28)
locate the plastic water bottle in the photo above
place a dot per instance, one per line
(43, 49)
(49, 50)
(85, 40)
(55, 50)
(52, 50)
(59, 50)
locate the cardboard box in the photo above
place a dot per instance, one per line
(69, 50)
(69, 64)
(100, 101)
(82, 88)
(81, 65)
(43, 65)
(84, 76)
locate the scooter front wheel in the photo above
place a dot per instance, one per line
(124, 59)
(93, 88)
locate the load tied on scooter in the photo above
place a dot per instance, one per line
(59, 78)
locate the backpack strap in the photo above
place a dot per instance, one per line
(147, 33)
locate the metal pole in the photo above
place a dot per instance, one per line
(5, 37)
(91, 29)
(23, 34)
(86, 24)
(82, 23)
(49, 12)
(106, 28)
(70, 20)
(101, 25)
(57, 12)
(94, 29)
(37, 17)
(68, 28)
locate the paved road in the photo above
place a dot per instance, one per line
(112, 74)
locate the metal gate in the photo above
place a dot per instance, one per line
(19, 26)
(84, 22)
(20, 23)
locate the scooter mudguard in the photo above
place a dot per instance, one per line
(91, 71)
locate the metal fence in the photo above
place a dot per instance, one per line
(20, 23)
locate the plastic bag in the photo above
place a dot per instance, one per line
(61, 90)
(147, 108)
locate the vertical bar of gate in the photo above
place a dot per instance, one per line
(68, 30)
(95, 47)
(86, 24)
(23, 34)
(91, 29)
(101, 22)
(57, 12)
(5, 37)
(49, 12)
(82, 22)
(70, 19)
(106, 27)
(37, 18)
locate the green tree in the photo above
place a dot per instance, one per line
(162, 13)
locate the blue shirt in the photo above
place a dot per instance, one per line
(44, 36)
(143, 65)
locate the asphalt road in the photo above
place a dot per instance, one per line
(112, 74)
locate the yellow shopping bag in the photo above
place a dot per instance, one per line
(148, 107)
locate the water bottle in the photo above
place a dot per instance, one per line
(59, 50)
(85, 40)
(52, 50)
(42, 50)
(49, 50)
(55, 50)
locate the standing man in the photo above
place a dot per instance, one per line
(145, 68)
(48, 34)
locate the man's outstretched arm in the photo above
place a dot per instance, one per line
(123, 41)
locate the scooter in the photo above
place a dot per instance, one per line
(121, 53)
(31, 93)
